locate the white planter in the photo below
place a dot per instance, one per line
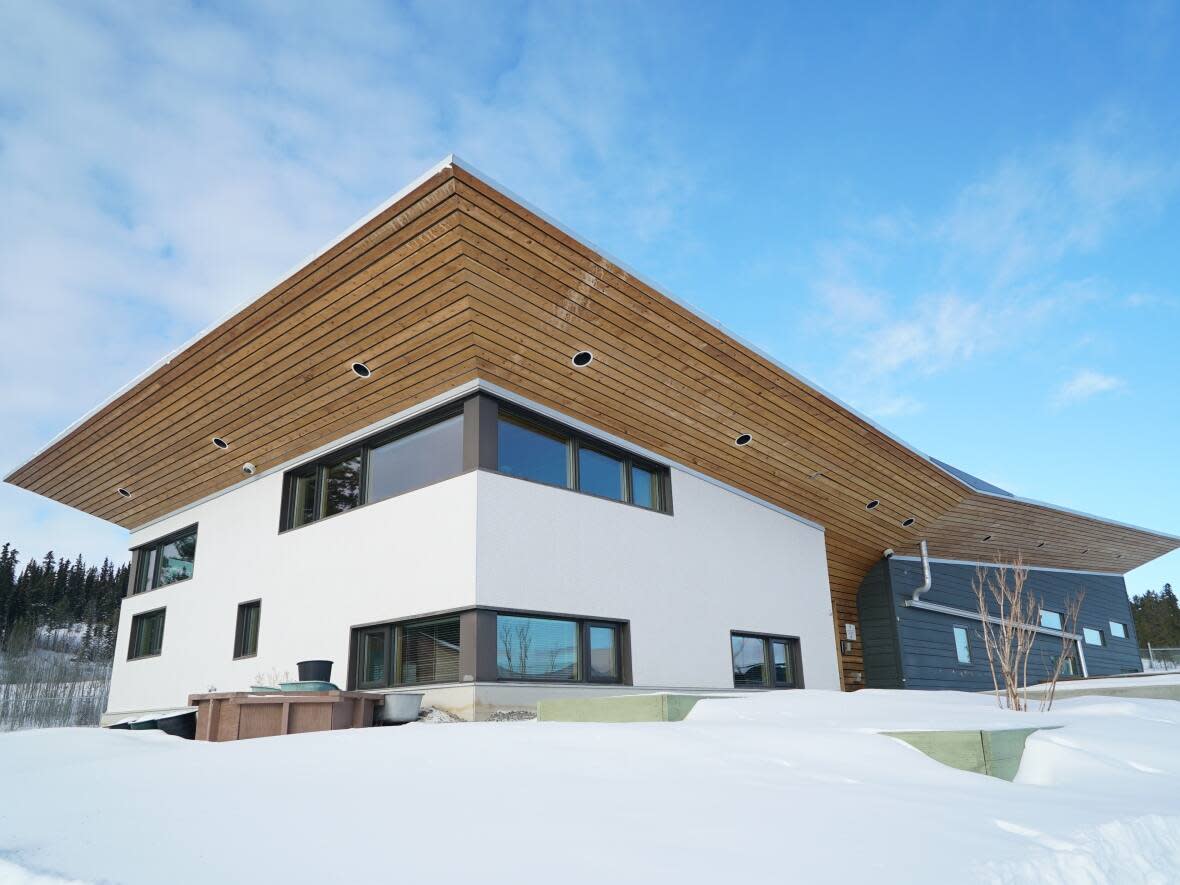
(399, 707)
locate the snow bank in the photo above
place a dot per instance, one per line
(792, 784)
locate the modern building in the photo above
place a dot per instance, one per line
(462, 451)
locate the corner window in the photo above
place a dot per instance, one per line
(1118, 629)
(166, 561)
(1093, 637)
(556, 456)
(407, 653)
(418, 453)
(765, 661)
(246, 632)
(1050, 620)
(963, 645)
(543, 649)
(147, 635)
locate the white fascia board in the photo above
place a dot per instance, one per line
(456, 393)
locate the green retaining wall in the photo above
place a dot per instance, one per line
(992, 752)
(662, 707)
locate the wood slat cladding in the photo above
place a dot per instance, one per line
(457, 281)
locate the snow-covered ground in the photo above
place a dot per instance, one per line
(789, 786)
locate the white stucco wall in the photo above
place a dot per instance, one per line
(720, 563)
(408, 555)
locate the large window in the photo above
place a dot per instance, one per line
(426, 456)
(410, 653)
(166, 561)
(556, 456)
(246, 632)
(147, 635)
(543, 649)
(413, 455)
(765, 661)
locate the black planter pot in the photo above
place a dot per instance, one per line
(315, 671)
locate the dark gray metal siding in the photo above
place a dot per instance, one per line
(878, 630)
(925, 640)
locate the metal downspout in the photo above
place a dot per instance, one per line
(918, 591)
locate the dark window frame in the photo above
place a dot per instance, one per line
(478, 647)
(137, 621)
(138, 553)
(1122, 625)
(319, 466)
(794, 647)
(575, 441)
(1101, 643)
(240, 653)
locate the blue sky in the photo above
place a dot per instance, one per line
(962, 219)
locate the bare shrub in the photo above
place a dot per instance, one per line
(1010, 614)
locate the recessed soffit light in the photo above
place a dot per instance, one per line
(582, 358)
(361, 370)
(126, 493)
(220, 443)
(873, 504)
(743, 439)
(907, 522)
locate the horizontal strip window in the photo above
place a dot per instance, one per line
(147, 635)
(546, 452)
(761, 661)
(168, 560)
(544, 649)
(418, 453)
(487, 645)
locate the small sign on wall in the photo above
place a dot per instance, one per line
(850, 632)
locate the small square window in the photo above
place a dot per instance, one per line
(1093, 637)
(1050, 619)
(962, 645)
(1118, 629)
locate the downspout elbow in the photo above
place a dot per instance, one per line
(926, 581)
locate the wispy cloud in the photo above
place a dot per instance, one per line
(917, 296)
(1084, 384)
(160, 164)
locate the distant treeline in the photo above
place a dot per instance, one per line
(1157, 618)
(50, 594)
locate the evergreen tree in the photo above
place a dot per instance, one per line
(50, 593)
(1157, 618)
